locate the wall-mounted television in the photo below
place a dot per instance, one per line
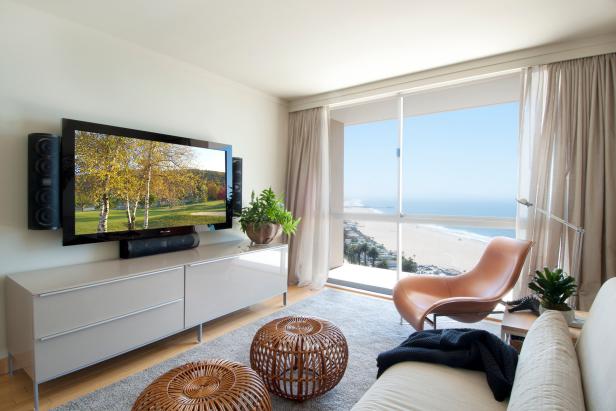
(123, 184)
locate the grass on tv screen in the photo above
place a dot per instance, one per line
(124, 183)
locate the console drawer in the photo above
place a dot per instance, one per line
(60, 354)
(65, 310)
(216, 288)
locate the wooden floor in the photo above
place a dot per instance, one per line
(16, 391)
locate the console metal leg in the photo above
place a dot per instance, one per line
(36, 397)
(9, 358)
(284, 299)
(401, 320)
(434, 322)
(200, 333)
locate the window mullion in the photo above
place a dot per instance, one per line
(399, 208)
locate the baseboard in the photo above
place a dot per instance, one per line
(358, 291)
(4, 365)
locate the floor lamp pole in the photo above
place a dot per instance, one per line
(577, 243)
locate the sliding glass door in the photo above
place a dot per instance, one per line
(427, 181)
(370, 191)
(459, 183)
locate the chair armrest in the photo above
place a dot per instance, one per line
(433, 285)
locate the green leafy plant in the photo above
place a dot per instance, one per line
(268, 208)
(553, 287)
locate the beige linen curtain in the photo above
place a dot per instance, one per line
(307, 196)
(568, 168)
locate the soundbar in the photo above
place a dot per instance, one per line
(149, 246)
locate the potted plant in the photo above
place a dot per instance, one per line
(553, 288)
(264, 217)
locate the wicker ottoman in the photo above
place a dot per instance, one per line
(206, 385)
(299, 357)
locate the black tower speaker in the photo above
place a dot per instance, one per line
(237, 186)
(148, 246)
(43, 181)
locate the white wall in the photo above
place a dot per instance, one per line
(51, 68)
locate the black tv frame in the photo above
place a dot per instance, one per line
(69, 237)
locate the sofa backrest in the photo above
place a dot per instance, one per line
(548, 374)
(596, 350)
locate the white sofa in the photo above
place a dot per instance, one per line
(551, 374)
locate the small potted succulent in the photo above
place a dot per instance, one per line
(554, 288)
(264, 216)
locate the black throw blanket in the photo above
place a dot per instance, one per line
(459, 348)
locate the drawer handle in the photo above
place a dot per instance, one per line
(85, 327)
(117, 280)
(214, 260)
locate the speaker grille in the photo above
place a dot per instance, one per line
(44, 196)
(44, 145)
(43, 181)
(44, 216)
(237, 186)
(43, 166)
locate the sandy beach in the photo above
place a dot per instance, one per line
(428, 244)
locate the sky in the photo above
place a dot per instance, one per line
(467, 155)
(208, 159)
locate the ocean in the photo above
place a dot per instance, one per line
(441, 207)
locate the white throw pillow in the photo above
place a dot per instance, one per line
(548, 374)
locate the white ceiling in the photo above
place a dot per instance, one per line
(295, 48)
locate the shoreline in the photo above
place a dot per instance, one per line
(427, 244)
(454, 231)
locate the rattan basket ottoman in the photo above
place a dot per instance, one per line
(206, 385)
(299, 357)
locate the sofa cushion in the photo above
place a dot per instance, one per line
(596, 352)
(548, 375)
(418, 386)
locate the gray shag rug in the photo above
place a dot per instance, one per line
(370, 325)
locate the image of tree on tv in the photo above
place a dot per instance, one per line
(131, 184)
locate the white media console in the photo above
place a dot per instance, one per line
(63, 319)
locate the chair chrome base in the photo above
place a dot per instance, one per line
(432, 321)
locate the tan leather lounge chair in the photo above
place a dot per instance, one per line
(467, 297)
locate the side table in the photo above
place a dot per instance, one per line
(518, 324)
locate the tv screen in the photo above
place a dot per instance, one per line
(121, 183)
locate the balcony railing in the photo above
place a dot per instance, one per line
(449, 221)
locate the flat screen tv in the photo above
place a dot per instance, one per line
(123, 184)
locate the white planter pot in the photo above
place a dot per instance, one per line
(569, 315)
